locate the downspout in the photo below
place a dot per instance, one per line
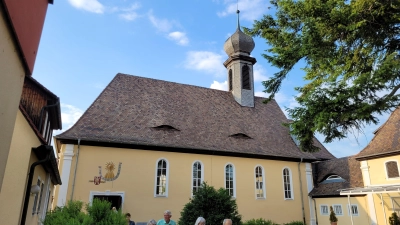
(315, 208)
(28, 186)
(301, 191)
(76, 167)
(351, 210)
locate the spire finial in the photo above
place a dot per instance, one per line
(237, 11)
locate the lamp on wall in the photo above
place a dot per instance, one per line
(35, 189)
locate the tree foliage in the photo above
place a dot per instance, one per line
(214, 205)
(98, 213)
(351, 53)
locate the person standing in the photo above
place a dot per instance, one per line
(167, 219)
(128, 219)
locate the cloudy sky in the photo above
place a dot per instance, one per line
(85, 43)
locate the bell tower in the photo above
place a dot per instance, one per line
(240, 66)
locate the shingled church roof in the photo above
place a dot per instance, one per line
(386, 140)
(141, 111)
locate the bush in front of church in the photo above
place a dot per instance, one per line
(98, 213)
(214, 205)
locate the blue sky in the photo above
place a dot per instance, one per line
(85, 43)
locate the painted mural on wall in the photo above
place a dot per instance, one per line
(110, 176)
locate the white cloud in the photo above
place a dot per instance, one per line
(261, 94)
(129, 16)
(223, 86)
(88, 5)
(260, 74)
(179, 37)
(69, 115)
(129, 13)
(209, 62)
(162, 25)
(249, 9)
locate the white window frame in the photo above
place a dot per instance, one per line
(36, 197)
(166, 180)
(291, 184)
(234, 178)
(263, 182)
(202, 174)
(334, 209)
(107, 192)
(327, 210)
(398, 169)
(45, 204)
(350, 210)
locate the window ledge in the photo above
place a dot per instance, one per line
(260, 198)
(160, 196)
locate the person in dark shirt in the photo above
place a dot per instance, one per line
(128, 219)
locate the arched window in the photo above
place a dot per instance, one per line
(246, 77)
(392, 169)
(260, 186)
(162, 178)
(197, 176)
(230, 80)
(287, 183)
(230, 179)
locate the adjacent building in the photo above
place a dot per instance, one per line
(28, 115)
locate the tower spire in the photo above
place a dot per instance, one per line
(237, 11)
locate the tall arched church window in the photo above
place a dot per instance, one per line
(287, 184)
(197, 176)
(230, 179)
(260, 187)
(161, 179)
(246, 77)
(392, 169)
(230, 80)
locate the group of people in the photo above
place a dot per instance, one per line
(167, 220)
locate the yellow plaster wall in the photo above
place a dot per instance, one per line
(137, 181)
(382, 214)
(362, 218)
(11, 81)
(19, 161)
(377, 170)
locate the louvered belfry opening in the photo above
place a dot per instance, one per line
(230, 80)
(246, 77)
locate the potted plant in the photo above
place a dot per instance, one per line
(332, 217)
(394, 219)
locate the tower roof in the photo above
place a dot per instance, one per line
(239, 42)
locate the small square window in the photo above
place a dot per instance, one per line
(338, 210)
(324, 210)
(353, 209)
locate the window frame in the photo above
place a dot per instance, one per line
(233, 177)
(327, 210)
(36, 198)
(350, 210)
(230, 79)
(386, 170)
(334, 209)
(202, 174)
(166, 179)
(263, 182)
(246, 86)
(291, 184)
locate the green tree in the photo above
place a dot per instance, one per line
(351, 55)
(214, 205)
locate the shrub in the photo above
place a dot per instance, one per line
(295, 223)
(71, 213)
(332, 216)
(214, 205)
(98, 213)
(394, 219)
(259, 222)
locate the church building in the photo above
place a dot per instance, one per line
(146, 145)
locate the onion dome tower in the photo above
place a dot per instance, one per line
(240, 66)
